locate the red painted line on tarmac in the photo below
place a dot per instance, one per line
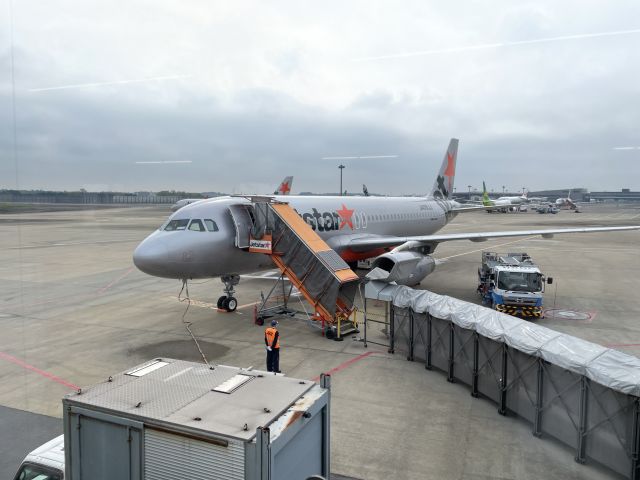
(48, 375)
(107, 287)
(344, 365)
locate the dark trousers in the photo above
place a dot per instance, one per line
(273, 360)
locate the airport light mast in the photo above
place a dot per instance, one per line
(341, 167)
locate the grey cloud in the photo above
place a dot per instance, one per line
(539, 116)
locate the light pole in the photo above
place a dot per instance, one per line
(341, 167)
(503, 187)
(523, 189)
(469, 186)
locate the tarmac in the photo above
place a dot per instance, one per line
(75, 310)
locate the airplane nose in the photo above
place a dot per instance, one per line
(151, 257)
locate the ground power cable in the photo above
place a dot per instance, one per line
(187, 324)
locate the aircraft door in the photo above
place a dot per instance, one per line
(242, 216)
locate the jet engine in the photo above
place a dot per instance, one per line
(403, 267)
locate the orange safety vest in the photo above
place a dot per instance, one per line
(269, 335)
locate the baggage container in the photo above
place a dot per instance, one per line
(168, 419)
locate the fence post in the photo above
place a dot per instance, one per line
(450, 372)
(537, 421)
(365, 322)
(582, 422)
(476, 362)
(502, 410)
(392, 333)
(411, 339)
(635, 452)
(427, 363)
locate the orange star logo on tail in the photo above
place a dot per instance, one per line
(450, 171)
(284, 188)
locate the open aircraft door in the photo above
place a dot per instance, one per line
(242, 216)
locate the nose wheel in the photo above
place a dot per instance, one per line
(228, 302)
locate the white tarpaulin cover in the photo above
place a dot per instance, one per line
(611, 368)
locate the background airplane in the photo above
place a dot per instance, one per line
(283, 189)
(503, 204)
(567, 203)
(210, 238)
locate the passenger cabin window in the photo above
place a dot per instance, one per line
(177, 225)
(196, 226)
(211, 225)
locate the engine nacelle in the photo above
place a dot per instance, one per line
(403, 267)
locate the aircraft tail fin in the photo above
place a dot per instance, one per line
(285, 186)
(443, 186)
(486, 201)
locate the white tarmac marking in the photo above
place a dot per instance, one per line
(72, 244)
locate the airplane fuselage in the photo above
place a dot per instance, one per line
(195, 253)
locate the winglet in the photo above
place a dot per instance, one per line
(443, 186)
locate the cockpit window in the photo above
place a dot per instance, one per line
(176, 225)
(196, 226)
(211, 225)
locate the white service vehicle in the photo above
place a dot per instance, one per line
(44, 463)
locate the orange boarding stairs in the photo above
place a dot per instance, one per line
(315, 269)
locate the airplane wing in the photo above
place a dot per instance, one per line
(364, 243)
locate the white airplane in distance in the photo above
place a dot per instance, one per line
(283, 189)
(210, 238)
(567, 203)
(502, 204)
(519, 200)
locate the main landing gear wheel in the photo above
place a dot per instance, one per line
(230, 304)
(221, 302)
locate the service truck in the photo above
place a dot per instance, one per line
(511, 283)
(45, 463)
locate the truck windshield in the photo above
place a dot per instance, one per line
(38, 472)
(520, 281)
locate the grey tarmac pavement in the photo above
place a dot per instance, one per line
(74, 308)
(20, 433)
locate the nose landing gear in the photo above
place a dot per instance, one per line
(228, 302)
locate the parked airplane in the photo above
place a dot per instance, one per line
(515, 200)
(502, 204)
(283, 189)
(211, 238)
(566, 203)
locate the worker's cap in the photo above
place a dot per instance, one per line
(274, 323)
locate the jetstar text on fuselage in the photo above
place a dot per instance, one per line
(329, 221)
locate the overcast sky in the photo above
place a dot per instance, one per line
(539, 93)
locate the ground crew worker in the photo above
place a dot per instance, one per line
(272, 343)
